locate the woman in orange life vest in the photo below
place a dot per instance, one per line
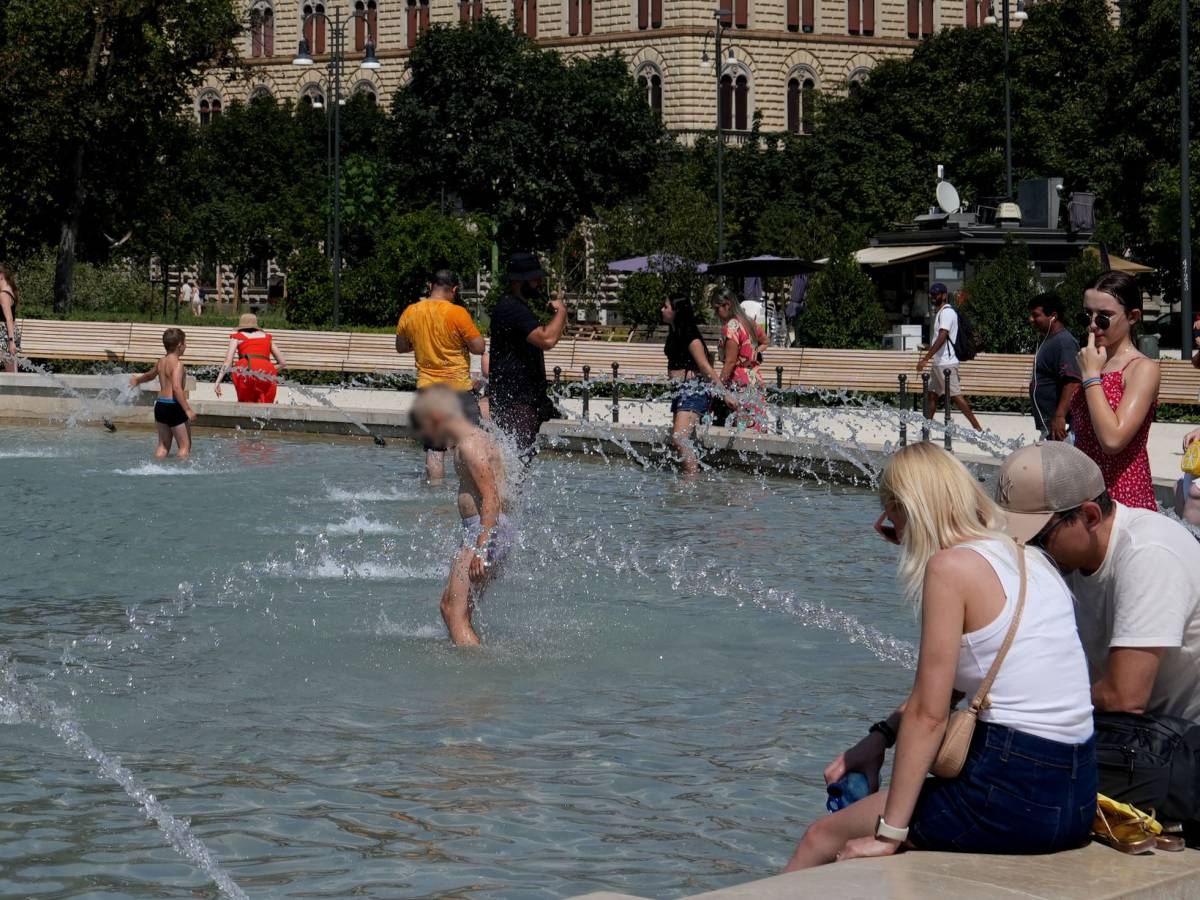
(253, 349)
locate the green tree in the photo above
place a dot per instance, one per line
(642, 299)
(519, 133)
(1081, 272)
(997, 299)
(84, 89)
(842, 308)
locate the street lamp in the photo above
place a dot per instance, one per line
(1020, 15)
(720, 17)
(337, 62)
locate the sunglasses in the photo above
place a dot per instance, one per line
(1102, 319)
(1039, 539)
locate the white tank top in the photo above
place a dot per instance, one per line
(1043, 687)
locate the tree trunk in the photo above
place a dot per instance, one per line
(166, 285)
(64, 267)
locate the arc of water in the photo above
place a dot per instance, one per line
(29, 701)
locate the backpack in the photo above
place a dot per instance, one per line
(968, 343)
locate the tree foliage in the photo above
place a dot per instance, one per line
(997, 299)
(642, 299)
(842, 307)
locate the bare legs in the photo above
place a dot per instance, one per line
(180, 434)
(459, 598)
(960, 401)
(827, 836)
(681, 437)
(435, 466)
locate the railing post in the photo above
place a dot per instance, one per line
(903, 409)
(924, 395)
(616, 403)
(557, 379)
(946, 385)
(779, 399)
(587, 389)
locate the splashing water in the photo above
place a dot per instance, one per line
(24, 699)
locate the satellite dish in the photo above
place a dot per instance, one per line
(947, 197)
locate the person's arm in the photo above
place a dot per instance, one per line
(1190, 437)
(225, 366)
(136, 380)
(1058, 424)
(942, 336)
(546, 337)
(280, 362)
(475, 457)
(1115, 428)
(179, 388)
(700, 356)
(1128, 679)
(729, 354)
(6, 308)
(867, 755)
(402, 344)
(950, 577)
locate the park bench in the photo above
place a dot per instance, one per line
(101, 341)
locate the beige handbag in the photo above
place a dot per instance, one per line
(961, 728)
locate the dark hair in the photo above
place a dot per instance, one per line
(1049, 303)
(445, 278)
(1104, 501)
(1121, 287)
(172, 338)
(685, 316)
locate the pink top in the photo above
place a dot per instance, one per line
(1126, 474)
(746, 371)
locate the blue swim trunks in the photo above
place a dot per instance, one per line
(500, 543)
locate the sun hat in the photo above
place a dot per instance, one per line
(1042, 479)
(524, 266)
(247, 320)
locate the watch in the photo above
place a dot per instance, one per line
(889, 832)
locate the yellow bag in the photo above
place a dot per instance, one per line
(1191, 460)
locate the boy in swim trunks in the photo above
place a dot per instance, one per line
(482, 502)
(172, 412)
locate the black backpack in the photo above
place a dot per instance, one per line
(968, 344)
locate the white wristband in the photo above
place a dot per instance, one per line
(889, 833)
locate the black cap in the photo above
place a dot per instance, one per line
(524, 267)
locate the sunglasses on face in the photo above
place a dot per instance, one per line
(1039, 539)
(1102, 319)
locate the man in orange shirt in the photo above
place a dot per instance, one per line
(440, 333)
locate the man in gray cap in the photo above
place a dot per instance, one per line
(1135, 575)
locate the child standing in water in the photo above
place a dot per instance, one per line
(482, 503)
(172, 412)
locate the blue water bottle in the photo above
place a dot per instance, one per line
(850, 788)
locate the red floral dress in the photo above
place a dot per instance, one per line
(1126, 474)
(746, 380)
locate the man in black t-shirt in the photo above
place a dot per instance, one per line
(517, 375)
(1055, 368)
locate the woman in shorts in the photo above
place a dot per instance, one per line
(694, 381)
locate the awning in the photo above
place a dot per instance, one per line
(890, 255)
(763, 267)
(659, 262)
(1120, 263)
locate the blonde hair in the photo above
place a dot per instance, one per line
(944, 504)
(438, 401)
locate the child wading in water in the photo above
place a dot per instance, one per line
(482, 503)
(172, 412)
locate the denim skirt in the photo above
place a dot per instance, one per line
(1017, 793)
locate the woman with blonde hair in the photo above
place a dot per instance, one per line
(10, 334)
(1028, 784)
(741, 343)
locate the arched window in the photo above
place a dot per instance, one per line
(801, 95)
(976, 11)
(858, 77)
(800, 15)
(261, 93)
(649, 14)
(920, 18)
(418, 20)
(367, 89)
(366, 24)
(650, 81)
(209, 107)
(525, 15)
(735, 100)
(470, 10)
(313, 96)
(860, 16)
(579, 17)
(262, 29)
(314, 26)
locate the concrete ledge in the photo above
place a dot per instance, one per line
(1093, 873)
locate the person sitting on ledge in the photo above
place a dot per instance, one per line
(1028, 784)
(1135, 575)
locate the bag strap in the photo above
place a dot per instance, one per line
(981, 696)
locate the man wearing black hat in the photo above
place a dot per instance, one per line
(517, 377)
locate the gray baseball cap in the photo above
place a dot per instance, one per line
(1042, 479)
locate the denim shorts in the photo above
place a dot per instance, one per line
(692, 397)
(1017, 793)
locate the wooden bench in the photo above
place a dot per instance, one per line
(45, 339)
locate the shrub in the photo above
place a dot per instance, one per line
(842, 308)
(642, 299)
(997, 301)
(97, 289)
(310, 288)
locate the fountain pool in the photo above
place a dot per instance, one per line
(668, 668)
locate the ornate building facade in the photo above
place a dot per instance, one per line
(776, 53)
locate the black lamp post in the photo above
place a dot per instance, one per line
(337, 61)
(1020, 15)
(720, 17)
(1185, 190)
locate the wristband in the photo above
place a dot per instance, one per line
(887, 731)
(1088, 382)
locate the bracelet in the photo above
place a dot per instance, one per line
(887, 731)
(1088, 382)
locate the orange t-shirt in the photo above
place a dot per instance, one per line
(439, 331)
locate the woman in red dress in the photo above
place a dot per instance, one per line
(253, 349)
(1114, 407)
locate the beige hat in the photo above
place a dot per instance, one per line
(1038, 481)
(248, 320)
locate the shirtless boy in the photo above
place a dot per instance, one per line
(172, 412)
(482, 504)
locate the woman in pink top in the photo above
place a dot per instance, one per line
(741, 341)
(1112, 411)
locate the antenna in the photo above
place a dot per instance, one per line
(947, 197)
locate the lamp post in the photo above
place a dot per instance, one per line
(337, 62)
(1185, 191)
(1020, 15)
(720, 16)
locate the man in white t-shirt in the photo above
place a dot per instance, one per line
(941, 353)
(1135, 575)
